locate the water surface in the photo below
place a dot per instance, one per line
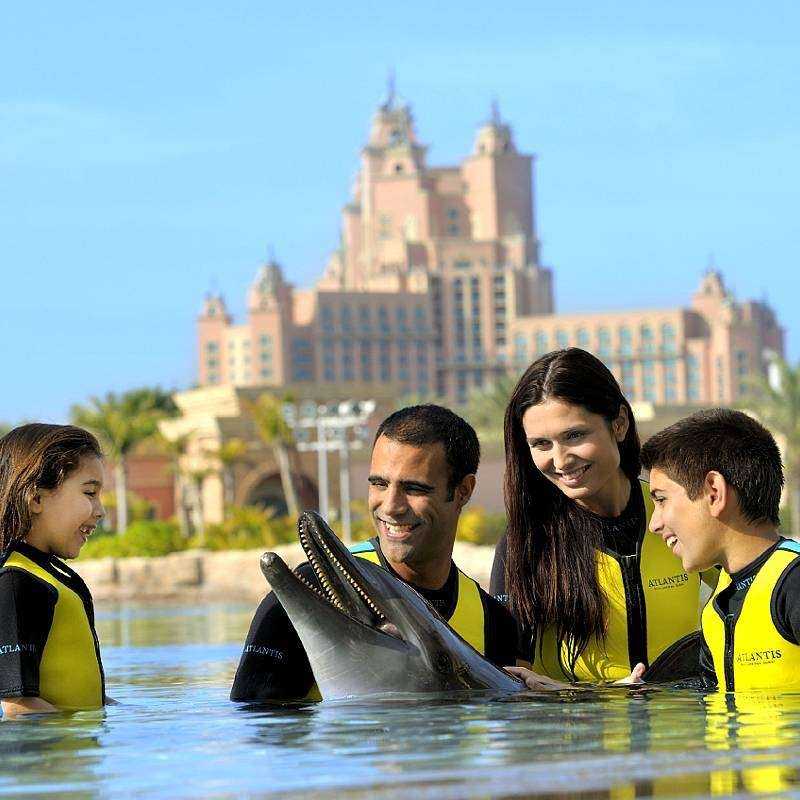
(175, 734)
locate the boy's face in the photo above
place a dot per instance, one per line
(686, 525)
(64, 518)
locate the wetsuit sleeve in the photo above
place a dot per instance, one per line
(786, 603)
(27, 604)
(500, 632)
(497, 582)
(707, 673)
(274, 665)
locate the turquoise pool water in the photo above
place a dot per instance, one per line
(175, 734)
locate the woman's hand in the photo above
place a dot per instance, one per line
(535, 681)
(635, 678)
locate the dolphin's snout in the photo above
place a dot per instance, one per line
(269, 563)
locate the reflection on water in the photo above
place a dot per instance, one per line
(176, 734)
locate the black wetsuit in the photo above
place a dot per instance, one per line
(274, 665)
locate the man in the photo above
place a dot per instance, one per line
(422, 474)
(716, 479)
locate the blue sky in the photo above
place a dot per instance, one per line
(150, 151)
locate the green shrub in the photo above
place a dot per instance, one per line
(481, 527)
(142, 538)
(247, 528)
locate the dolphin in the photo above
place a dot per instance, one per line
(369, 633)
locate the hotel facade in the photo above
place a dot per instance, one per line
(437, 288)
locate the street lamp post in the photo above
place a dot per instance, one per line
(332, 424)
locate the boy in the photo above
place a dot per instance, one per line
(716, 479)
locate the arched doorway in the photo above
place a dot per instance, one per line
(267, 492)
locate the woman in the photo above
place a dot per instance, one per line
(598, 594)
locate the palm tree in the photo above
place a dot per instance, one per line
(176, 449)
(776, 402)
(274, 431)
(196, 478)
(227, 455)
(486, 407)
(121, 422)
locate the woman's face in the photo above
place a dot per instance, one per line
(574, 449)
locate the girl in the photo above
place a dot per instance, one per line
(51, 477)
(599, 596)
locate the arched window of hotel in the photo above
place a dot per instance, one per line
(347, 318)
(383, 319)
(402, 319)
(385, 358)
(692, 378)
(396, 136)
(670, 380)
(453, 228)
(583, 338)
(327, 319)
(625, 339)
(541, 343)
(741, 363)
(562, 339)
(628, 381)
(520, 349)
(668, 337)
(647, 339)
(604, 342)
(649, 380)
(720, 378)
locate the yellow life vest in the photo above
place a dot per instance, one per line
(467, 619)
(70, 672)
(761, 724)
(653, 603)
(749, 652)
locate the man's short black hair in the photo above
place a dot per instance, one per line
(429, 424)
(730, 442)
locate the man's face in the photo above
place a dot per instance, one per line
(686, 525)
(411, 507)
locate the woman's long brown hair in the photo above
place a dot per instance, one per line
(551, 564)
(33, 457)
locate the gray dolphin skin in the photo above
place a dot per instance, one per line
(369, 633)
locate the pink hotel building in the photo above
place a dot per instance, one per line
(437, 287)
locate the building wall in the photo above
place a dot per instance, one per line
(437, 287)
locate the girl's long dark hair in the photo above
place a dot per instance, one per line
(551, 565)
(33, 457)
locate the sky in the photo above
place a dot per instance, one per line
(150, 152)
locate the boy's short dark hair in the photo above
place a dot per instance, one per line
(730, 442)
(429, 424)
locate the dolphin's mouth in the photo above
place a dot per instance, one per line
(341, 586)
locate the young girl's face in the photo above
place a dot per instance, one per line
(64, 518)
(576, 450)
